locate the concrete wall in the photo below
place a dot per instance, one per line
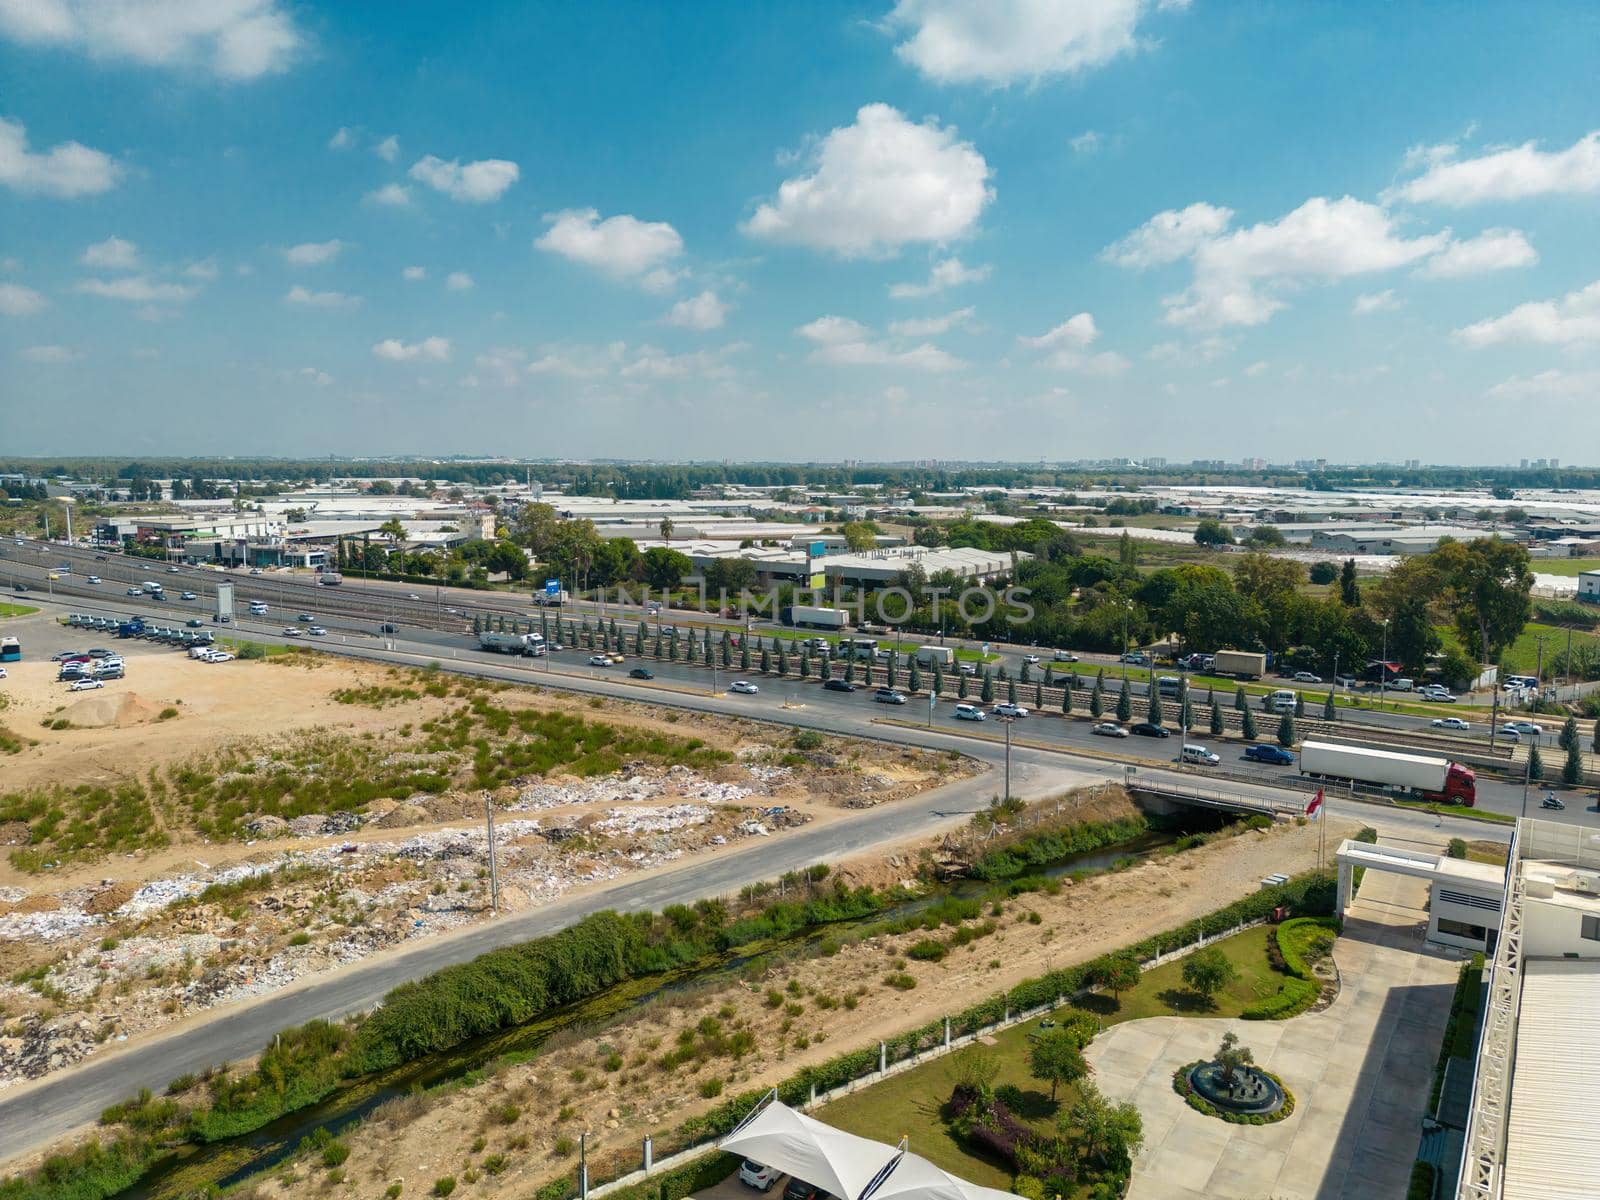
(1553, 928)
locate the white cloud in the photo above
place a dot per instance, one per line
(19, 301)
(1239, 276)
(67, 170)
(313, 254)
(314, 376)
(944, 274)
(878, 185)
(1372, 302)
(389, 148)
(1549, 385)
(622, 246)
(113, 254)
(576, 362)
(841, 342)
(310, 299)
(1491, 250)
(433, 349)
(458, 281)
(1570, 321)
(139, 289)
(1086, 142)
(932, 326)
(652, 362)
(501, 365)
(1190, 354)
(473, 182)
(342, 139)
(50, 354)
(233, 39)
(702, 312)
(999, 42)
(1515, 173)
(1169, 236)
(1257, 369)
(392, 195)
(205, 269)
(1067, 347)
(412, 274)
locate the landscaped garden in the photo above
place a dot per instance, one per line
(1020, 1111)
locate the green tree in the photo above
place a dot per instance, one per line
(805, 662)
(665, 569)
(1212, 532)
(1488, 582)
(961, 687)
(1217, 726)
(914, 676)
(1055, 1058)
(1349, 589)
(1104, 1134)
(1066, 697)
(1594, 742)
(1569, 734)
(1299, 704)
(1124, 703)
(1535, 763)
(826, 672)
(1038, 695)
(744, 654)
(859, 536)
(1207, 971)
(1240, 701)
(1097, 700)
(891, 670)
(1117, 974)
(666, 528)
(638, 640)
(783, 658)
(1232, 1056)
(937, 687)
(1153, 710)
(1572, 769)
(987, 694)
(1286, 731)
(1011, 691)
(1248, 725)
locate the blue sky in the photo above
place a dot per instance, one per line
(1017, 229)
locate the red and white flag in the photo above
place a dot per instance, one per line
(1316, 804)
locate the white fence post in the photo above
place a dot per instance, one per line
(947, 1033)
(883, 1058)
(649, 1154)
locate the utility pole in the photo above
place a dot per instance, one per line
(1527, 770)
(494, 876)
(1008, 723)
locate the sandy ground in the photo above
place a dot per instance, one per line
(796, 1014)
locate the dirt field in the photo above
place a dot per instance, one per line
(515, 1130)
(105, 947)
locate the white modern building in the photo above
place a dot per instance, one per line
(1464, 897)
(1536, 1084)
(1589, 587)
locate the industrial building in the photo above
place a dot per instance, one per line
(1589, 587)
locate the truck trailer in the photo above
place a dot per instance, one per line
(809, 616)
(927, 656)
(530, 645)
(1423, 775)
(1242, 664)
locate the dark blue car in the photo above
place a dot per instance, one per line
(1276, 755)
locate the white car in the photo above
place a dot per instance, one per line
(412, 596)
(292, 631)
(968, 669)
(758, 1175)
(94, 579)
(744, 687)
(599, 660)
(317, 631)
(1031, 659)
(2, 672)
(970, 712)
(1306, 677)
(1524, 728)
(1450, 723)
(1109, 729)
(1010, 710)
(217, 656)
(187, 596)
(85, 685)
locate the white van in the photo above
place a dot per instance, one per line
(970, 712)
(1283, 700)
(258, 608)
(1199, 756)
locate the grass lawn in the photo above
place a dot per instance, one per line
(909, 1104)
(16, 610)
(1493, 853)
(1522, 656)
(1570, 567)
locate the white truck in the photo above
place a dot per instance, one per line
(810, 616)
(927, 656)
(1242, 664)
(530, 645)
(1425, 775)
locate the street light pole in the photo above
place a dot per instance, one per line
(1383, 667)
(1008, 722)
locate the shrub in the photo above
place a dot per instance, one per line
(166, 714)
(927, 950)
(1421, 1184)
(564, 1146)
(507, 1113)
(300, 939)
(334, 1154)
(711, 1088)
(496, 1163)
(444, 1185)
(900, 981)
(392, 1192)
(1456, 849)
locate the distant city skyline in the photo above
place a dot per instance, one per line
(1014, 231)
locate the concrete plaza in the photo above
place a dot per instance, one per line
(1360, 1072)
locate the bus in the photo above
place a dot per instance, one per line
(10, 649)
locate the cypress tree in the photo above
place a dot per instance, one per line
(1217, 727)
(1286, 731)
(1097, 701)
(638, 640)
(1153, 711)
(1011, 691)
(1239, 701)
(891, 671)
(1572, 769)
(805, 662)
(744, 654)
(1066, 697)
(1249, 726)
(727, 652)
(1535, 763)
(915, 680)
(987, 694)
(1124, 703)
(1027, 672)
(938, 678)
(1330, 712)
(1299, 704)
(710, 654)
(1569, 734)
(1038, 695)
(961, 687)
(783, 659)
(850, 670)
(827, 668)
(766, 661)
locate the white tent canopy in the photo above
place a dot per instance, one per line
(837, 1162)
(847, 1166)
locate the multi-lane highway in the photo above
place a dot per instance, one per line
(1048, 754)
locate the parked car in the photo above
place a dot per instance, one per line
(67, 655)
(799, 1189)
(1306, 677)
(970, 712)
(839, 685)
(758, 1175)
(886, 695)
(1014, 711)
(641, 673)
(219, 656)
(1109, 729)
(1276, 755)
(1437, 695)
(744, 687)
(1149, 729)
(1449, 723)
(85, 685)
(99, 652)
